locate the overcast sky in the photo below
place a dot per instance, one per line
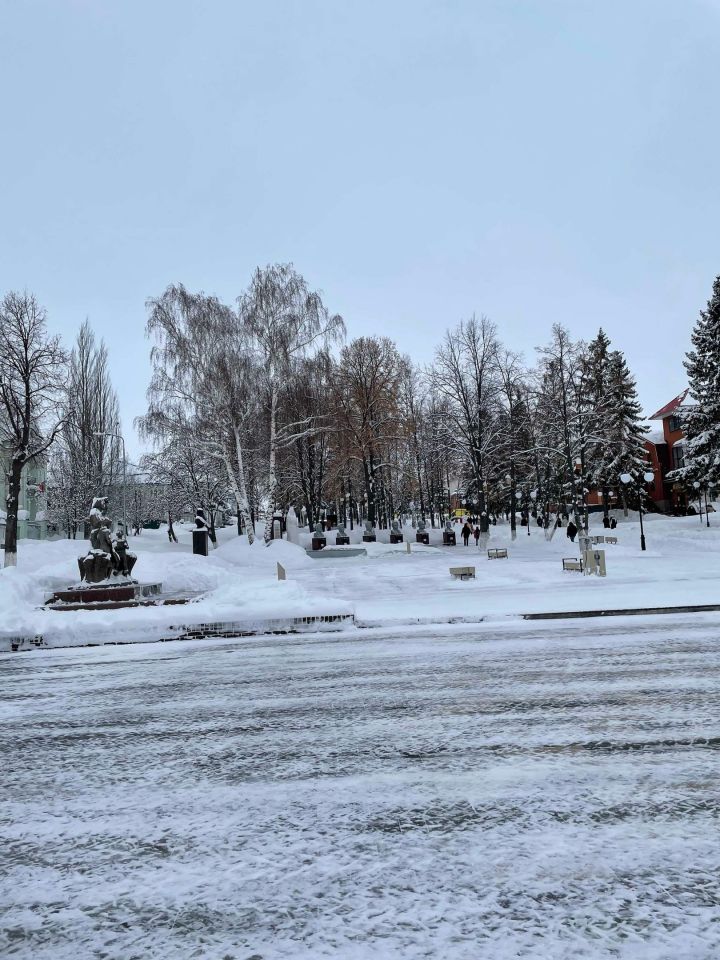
(532, 160)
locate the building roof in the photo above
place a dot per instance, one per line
(671, 407)
(655, 437)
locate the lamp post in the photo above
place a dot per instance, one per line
(117, 436)
(698, 488)
(533, 497)
(647, 477)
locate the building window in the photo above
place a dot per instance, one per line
(677, 457)
(675, 423)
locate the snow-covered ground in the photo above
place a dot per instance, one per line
(238, 582)
(469, 792)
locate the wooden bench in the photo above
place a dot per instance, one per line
(572, 563)
(497, 553)
(462, 573)
(597, 539)
(610, 539)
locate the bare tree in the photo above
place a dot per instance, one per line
(288, 322)
(203, 388)
(366, 393)
(464, 373)
(88, 461)
(32, 380)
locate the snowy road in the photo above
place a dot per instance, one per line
(551, 793)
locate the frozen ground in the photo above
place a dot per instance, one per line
(458, 793)
(238, 583)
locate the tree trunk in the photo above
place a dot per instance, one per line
(513, 501)
(239, 489)
(272, 480)
(12, 503)
(171, 531)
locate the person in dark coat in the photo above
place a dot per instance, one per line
(606, 522)
(613, 523)
(476, 534)
(466, 531)
(571, 532)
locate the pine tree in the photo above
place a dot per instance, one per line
(619, 444)
(627, 430)
(701, 421)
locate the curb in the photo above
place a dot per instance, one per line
(632, 612)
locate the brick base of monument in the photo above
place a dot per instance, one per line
(107, 594)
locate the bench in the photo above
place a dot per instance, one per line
(597, 539)
(610, 539)
(571, 563)
(462, 573)
(497, 553)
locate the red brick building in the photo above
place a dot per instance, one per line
(665, 448)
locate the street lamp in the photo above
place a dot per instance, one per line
(648, 477)
(117, 436)
(533, 497)
(698, 487)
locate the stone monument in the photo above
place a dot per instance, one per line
(369, 534)
(291, 526)
(448, 535)
(396, 535)
(318, 537)
(107, 559)
(421, 535)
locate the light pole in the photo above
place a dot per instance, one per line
(648, 477)
(117, 436)
(698, 485)
(533, 497)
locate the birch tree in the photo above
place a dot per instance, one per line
(287, 322)
(202, 391)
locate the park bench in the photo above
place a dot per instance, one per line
(497, 553)
(462, 573)
(572, 563)
(597, 539)
(610, 539)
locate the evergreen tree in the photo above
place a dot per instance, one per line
(701, 421)
(619, 444)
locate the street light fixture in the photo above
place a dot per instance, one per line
(648, 477)
(117, 436)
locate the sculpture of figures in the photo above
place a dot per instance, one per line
(395, 526)
(103, 558)
(319, 530)
(125, 559)
(341, 530)
(368, 526)
(421, 525)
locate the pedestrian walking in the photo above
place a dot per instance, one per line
(476, 534)
(571, 532)
(466, 531)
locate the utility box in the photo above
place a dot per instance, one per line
(594, 563)
(200, 542)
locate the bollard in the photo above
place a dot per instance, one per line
(281, 572)
(407, 546)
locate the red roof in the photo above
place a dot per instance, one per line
(671, 407)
